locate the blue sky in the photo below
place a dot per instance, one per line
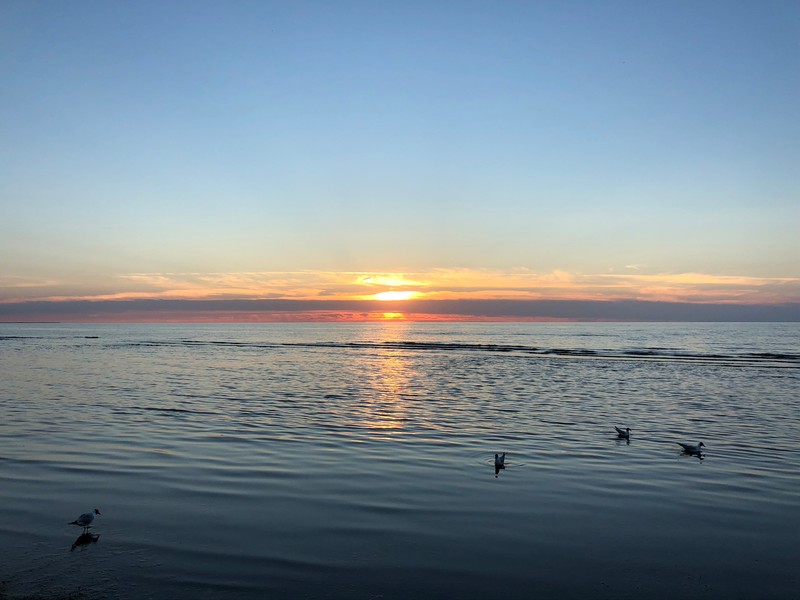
(144, 144)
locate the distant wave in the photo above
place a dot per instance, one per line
(168, 410)
(763, 359)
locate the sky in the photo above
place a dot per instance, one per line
(255, 160)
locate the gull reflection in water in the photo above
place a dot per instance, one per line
(85, 539)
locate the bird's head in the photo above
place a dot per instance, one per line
(701, 445)
(97, 512)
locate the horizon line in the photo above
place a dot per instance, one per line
(289, 310)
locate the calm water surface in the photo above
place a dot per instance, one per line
(356, 460)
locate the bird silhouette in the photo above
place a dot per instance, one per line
(85, 520)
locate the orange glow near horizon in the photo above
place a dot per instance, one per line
(393, 316)
(199, 316)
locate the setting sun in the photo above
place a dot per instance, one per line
(394, 295)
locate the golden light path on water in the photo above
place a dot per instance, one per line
(390, 376)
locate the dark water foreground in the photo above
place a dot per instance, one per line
(339, 461)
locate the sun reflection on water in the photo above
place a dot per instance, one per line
(390, 384)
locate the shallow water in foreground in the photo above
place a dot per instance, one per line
(356, 460)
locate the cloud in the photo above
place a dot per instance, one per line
(12, 282)
(437, 284)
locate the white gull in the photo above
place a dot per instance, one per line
(692, 448)
(85, 520)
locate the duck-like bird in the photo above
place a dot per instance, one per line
(623, 433)
(499, 463)
(85, 520)
(692, 448)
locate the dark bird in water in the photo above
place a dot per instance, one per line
(85, 520)
(499, 462)
(623, 433)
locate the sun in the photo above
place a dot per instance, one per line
(388, 296)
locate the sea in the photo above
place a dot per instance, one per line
(357, 460)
